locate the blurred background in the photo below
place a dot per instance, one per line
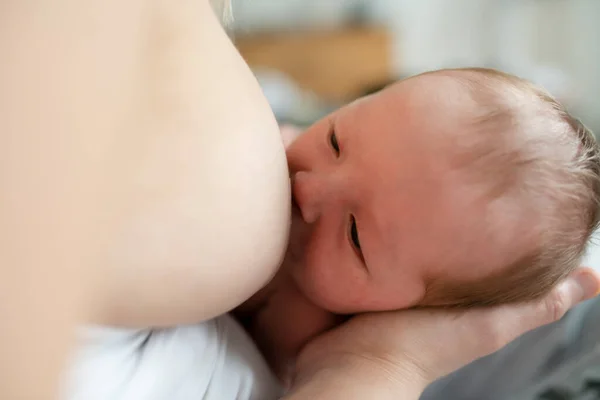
(312, 55)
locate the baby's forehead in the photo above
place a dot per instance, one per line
(434, 95)
(449, 102)
(432, 88)
(456, 114)
(468, 88)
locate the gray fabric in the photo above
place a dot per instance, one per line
(563, 357)
(577, 379)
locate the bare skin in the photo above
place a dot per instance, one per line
(124, 176)
(356, 360)
(173, 250)
(381, 213)
(375, 207)
(88, 98)
(372, 195)
(281, 320)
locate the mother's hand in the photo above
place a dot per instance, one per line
(406, 350)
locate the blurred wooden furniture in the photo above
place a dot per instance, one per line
(336, 65)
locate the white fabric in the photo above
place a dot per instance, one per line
(214, 360)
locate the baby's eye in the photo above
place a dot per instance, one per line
(354, 236)
(334, 143)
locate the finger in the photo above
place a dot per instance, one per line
(581, 285)
(504, 324)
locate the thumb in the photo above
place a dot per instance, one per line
(583, 284)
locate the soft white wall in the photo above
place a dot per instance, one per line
(517, 35)
(583, 57)
(252, 15)
(434, 33)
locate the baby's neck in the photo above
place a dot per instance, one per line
(281, 320)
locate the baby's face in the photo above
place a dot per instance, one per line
(379, 213)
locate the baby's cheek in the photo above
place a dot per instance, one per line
(320, 252)
(330, 277)
(336, 288)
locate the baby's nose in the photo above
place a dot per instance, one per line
(308, 190)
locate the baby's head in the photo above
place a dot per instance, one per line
(456, 187)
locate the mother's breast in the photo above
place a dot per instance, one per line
(209, 218)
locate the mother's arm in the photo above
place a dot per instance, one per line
(397, 354)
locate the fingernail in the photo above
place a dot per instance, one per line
(588, 283)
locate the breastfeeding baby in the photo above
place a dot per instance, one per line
(455, 188)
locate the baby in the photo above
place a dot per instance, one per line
(463, 188)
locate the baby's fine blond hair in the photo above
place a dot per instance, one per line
(524, 150)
